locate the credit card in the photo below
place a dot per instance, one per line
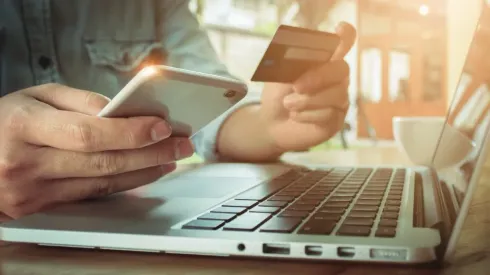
(292, 52)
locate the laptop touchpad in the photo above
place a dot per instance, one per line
(193, 187)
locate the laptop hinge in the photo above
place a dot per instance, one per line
(444, 226)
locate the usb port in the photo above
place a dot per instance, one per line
(346, 252)
(313, 250)
(279, 249)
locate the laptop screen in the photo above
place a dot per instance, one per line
(461, 144)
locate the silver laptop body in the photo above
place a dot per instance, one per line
(378, 214)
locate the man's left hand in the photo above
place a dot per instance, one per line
(313, 109)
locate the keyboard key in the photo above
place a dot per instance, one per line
(368, 202)
(217, 216)
(359, 221)
(388, 232)
(261, 209)
(388, 223)
(203, 224)
(326, 185)
(418, 204)
(320, 193)
(322, 188)
(294, 214)
(326, 217)
(262, 191)
(358, 214)
(378, 182)
(370, 197)
(315, 227)
(375, 189)
(336, 204)
(295, 207)
(240, 203)
(391, 209)
(282, 198)
(393, 202)
(353, 181)
(273, 203)
(313, 197)
(230, 210)
(348, 230)
(389, 216)
(290, 193)
(368, 208)
(281, 225)
(348, 195)
(247, 222)
(395, 197)
(307, 202)
(340, 199)
(331, 211)
(373, 193)
(395, 192)
(333, 180)
(348, 190)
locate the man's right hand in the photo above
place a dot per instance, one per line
(54, 149)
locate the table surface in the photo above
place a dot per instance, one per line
(472, 255)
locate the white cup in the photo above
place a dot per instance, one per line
(419, 137)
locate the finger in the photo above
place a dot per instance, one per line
(328, 117)
(347, 34)
(334, 97)
(69, 164)
(333, 71)
(4, 218)
(69, 99)
(68, 190)
(79, 132)
(320, 78)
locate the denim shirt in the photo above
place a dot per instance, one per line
(98, 45)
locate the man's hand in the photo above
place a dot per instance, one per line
(313, 109)
(292, 117)
(54, 149)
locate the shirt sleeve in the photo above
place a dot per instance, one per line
(205, 140)
(189, 47)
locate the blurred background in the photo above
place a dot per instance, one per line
(407, 59)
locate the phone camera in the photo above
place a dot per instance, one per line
(230, 94)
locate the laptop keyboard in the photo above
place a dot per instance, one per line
(345, 202)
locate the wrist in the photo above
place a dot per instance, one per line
(267, 129)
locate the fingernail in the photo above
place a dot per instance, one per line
(183, 149)
(161, 130)
(339, 26)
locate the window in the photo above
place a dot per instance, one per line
(371, 74)
(399, 75)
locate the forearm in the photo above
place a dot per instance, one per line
(244, 137)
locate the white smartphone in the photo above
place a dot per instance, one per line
(188, 100)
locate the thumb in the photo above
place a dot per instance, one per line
(347, 34)
(68, 99)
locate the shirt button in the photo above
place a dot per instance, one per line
(45, 62)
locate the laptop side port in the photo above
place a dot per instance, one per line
(313, 250)
(279, 249)
(346, 252)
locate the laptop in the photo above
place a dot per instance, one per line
(388, 214)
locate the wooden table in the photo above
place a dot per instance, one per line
(472, 256)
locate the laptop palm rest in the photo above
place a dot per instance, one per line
(154, 208)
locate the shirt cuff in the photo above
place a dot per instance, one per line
(205, 140)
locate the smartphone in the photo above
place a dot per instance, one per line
(188, 100)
